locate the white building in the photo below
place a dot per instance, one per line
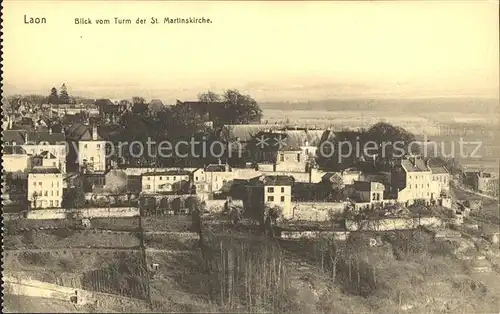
(167, 181)
(16, 161)
(45, 187)
(413, 179)
(91, 147)
(212, 178)
(37, 142)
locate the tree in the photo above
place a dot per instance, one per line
(383, 132)
(209, 97)
(240, 109)
(337, 184)
(74, 198)
(63, 95)
(53, 97)
(139, 105)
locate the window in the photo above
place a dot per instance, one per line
(46, 193)
(298, 157)
(161, 178)
(85, 146)
(149, 178)
(427, 184)
(409, 186)
(282, 190)
(57, 186)
(148, 186)
(98, 146)
(270, 190)
(410, 177)
(175, 178)
(39, 183)
(34, 183)
(196, 178)
(54, 163)
(57, 193)
(282, 157)
(51, 203)
(282, 198)
(270, 198)
(52, 193)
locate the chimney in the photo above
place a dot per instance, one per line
(94, 133)
(220, 162)
(50, 130)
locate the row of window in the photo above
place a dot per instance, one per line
(416, 186)
(271, 190)
(282, 157)
(167, 178)
(98, 146)
(52, 183)
(46, 193)
(43, 203)
(271, 199)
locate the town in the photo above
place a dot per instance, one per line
(69, 169)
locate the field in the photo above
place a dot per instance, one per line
(446, 125)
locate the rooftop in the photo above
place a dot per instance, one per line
(273, 180)
(215, 168)
(44, 170)
(168, 173)
(414, 165)
(14, 150)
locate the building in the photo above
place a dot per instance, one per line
(484, 182)
(285, 150)
(270, 191)
(16, 161)
(212, 178)
(368, 191)
(37, 142)
(90, 152)
(412, 179)
(45, 159)
(167, 181)
(45, 187)
(441, 175)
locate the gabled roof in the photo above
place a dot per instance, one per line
(44, 170)
(17, 136)
(46, 155)
(417, 166)
(81, 132)
(272, 180)
(438, 169)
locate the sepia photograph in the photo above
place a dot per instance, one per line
(250, 156)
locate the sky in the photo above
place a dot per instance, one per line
(274, 51)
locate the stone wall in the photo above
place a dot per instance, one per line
(316, 211)
(393, 224)
(83, 213)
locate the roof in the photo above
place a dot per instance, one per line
(418, 166)
(103, 102)
(46, 155)
(273, 180)
(246, 132)
(168, 173)
(79, 131)
(290, 140)
(13, 150)
(438, 170)
(17, 136)
(38, 137)
(44, 170)
(215, 168)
